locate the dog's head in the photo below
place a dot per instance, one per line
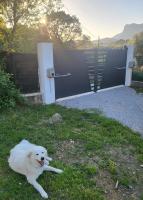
(38, 156)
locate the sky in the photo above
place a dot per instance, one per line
(105, 18)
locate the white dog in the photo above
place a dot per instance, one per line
(31, 160)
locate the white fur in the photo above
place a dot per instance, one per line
(25, 158)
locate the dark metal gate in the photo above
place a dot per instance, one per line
(24, 68)
(71, 71)
(106, 67)
(81, 71)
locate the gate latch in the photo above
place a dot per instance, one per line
(51, 73)
(62, 75)
(131, 64)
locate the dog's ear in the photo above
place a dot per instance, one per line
(29, 154)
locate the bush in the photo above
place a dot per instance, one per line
(9, 95)
(137, 76)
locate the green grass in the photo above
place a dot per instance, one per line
(94, 152)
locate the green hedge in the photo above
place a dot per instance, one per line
(137, 76)
(9, 95)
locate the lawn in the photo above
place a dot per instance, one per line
(95, 153)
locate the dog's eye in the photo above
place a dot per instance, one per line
(42, 152)
(37, 154)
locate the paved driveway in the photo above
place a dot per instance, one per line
(122, 104)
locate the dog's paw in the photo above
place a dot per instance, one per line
(59, 171)
(49, 159)
(44, 195)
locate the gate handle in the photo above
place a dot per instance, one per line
(119, 68)
(61, 75)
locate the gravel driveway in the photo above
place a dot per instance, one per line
(122, 104)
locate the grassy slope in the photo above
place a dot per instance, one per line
(94, 152)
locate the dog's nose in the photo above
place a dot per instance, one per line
(42, 158)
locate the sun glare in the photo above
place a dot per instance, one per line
(43, 20)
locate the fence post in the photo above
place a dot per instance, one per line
(45, 62)
(129, 65)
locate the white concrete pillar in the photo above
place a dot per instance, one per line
(129, 65)
(46, 65)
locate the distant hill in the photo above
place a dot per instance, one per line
(129, 31)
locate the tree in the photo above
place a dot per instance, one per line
(23, 17)
(4, 33)
(119, 43)
(51, 6)
(84, 43)
(15, 12)
(62, 27)
(26, 38)
(139, 48)
(139, 44)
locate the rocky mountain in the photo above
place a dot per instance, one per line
(129, 31)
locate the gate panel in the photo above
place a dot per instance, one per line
(24, 68)
(73, 62)
(110, 68)
(91, 70)
(115, 68)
